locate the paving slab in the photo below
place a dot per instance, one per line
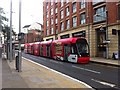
(10, 78)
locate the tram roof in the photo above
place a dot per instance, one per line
(67, 40)
(45, 42)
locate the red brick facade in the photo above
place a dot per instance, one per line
(111, 7)
(91, 19)
(33, 35)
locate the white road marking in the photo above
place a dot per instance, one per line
(86, 69)
(104, 83)
(60, 73)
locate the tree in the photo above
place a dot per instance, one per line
(5, 28)
(2, 17)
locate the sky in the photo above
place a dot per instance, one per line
(31, 12)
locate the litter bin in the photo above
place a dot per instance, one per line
(17, 62)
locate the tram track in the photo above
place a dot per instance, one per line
(80, 72)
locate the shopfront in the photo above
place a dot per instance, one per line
(49, 39)
(79, 34)
(64, 36)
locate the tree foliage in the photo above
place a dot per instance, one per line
(2, 17)
(5, 28)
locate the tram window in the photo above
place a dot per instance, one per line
(73, 49)
(82, 46)
(48, 50)
(41, 50)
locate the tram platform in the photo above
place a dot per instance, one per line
(35, 76)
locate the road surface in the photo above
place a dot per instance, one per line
(96, 75)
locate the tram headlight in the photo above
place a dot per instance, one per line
(80, 55)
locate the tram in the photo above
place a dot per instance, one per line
(36, 48)
(74, 50)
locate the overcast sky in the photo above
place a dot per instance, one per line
(32, 11)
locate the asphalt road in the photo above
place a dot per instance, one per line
(96, 75)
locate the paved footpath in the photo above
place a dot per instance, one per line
(11, 78)
(36, 76)
(0, 68)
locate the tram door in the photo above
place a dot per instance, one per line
(41, 50)
(66, 51)
(48, 54)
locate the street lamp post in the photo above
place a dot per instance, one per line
(19, 53)
(10, 31)
(89, 33)
(88, 17)
(107, 50)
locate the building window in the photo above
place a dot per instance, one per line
(97, 1)
(56, 20)
(68, 24)
(47, 31)
(51, 11)
(67, 11)
(82, 4)
(55, 1)
(61, 13)
(100, 14)
(74, 21)
(47, 23)
(52, 30)
(67, 1)
(51, 2)
(56, 10)
(62, 26)
(82, 18)
(62, 2)
(73, 1)
(56, 30)
(52, 21)
(74, 7)
(47, 5)
(47, 15)
(100, 10)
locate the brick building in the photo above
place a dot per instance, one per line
(33, 33)
(97, 21)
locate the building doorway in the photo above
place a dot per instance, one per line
(101, 47)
